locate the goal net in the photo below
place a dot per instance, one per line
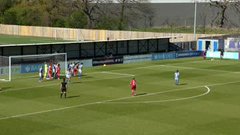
(27, 66)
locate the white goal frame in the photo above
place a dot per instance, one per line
(35, 55)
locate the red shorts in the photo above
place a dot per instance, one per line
(50, 74)
(75, 71)
(133, 87)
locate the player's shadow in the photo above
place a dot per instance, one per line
(140, 94)
(76, 96)
(86, 76)
(183, 84)
(5, 88)
(75, 82)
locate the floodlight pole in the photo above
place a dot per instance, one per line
(10, 66)
(195, 20)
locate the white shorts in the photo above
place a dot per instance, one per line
(80, 71)
(68, 76)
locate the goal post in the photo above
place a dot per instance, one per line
(26, 66)
(4, 68)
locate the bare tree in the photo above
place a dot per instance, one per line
(222, 5)
(123, 4)
(203, 16)
(147, 14)
(107, 16)
(88, 7)
(132, 7)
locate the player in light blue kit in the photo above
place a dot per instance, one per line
(40, 74)
(80, 70)
(68, 75)
(176, 77)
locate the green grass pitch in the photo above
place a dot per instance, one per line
(205, 103)
(10, 39)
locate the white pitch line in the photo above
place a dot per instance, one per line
(37, 76)
(167, 100)
(223, 71)
(46, 111)
(217, 84)
(30, 77)
(18, 89)
(69, 107)
(115, 73)
(100, 102)
(116, 78)
(169, 64)
(86, 104)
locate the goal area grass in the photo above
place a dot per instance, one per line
(100, 103)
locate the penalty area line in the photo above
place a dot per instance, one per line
(167, 100)
(115, 73)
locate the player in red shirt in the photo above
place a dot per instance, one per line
(133, 85)
(75, 70)
(50, 72)
(58, 71)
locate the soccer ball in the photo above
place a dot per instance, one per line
(104, 65)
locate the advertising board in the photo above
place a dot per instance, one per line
(137, 58)
(184, 54)
(102, 61)
(163, 56)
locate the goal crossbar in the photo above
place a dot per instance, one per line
(34, 58)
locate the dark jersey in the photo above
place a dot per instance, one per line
(64, 86)
(222, 52)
